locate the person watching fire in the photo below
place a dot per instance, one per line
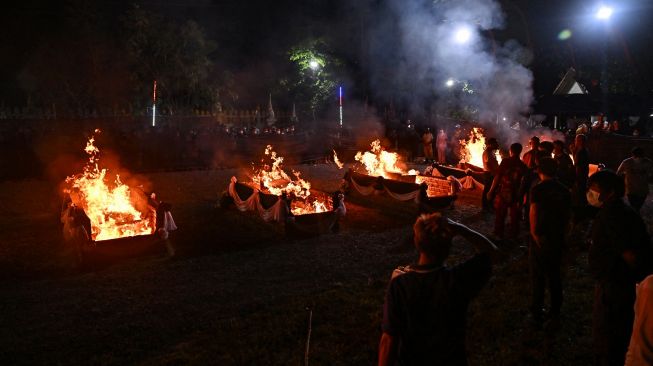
(425, 310)
(490, 168)
(427, 140)
(509, 185)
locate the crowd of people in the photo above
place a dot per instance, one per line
(551, 191)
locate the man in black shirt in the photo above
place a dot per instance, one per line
(549, 217)
(619, 257)
(582, 168)
(425, 309)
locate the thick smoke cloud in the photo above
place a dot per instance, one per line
(415, 48)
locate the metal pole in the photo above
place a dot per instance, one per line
(308, 336)
(154, 105)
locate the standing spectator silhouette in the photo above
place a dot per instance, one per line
(427, 140)
(425, 309)
(619, 257)
(637, 170)
(582, 168)
(566, 173)
(441, 144)
(509, 187)
(490, 168)
(549, 218)
(640, 348)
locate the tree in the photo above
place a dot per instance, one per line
(311, 81)
(175, 55)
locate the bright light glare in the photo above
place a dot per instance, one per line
(313, 64)
(604, 12)
(463, 35)
(450, 83)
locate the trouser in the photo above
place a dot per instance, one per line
(428, 151)
(442, 156)
(636, 201)
(545, 268)
(502, 209)
(487, 184)
(612, 322)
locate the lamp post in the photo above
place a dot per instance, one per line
(154, 104)
(604, 13)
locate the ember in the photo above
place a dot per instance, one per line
(271, 178)
(111, 209)
(381, 163)
(471, 149)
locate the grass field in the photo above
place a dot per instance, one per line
(236, 292)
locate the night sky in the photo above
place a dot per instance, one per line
(252, 37)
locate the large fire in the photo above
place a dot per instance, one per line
(110, 208)
(271, 178)
(379, 163)
(471, 149)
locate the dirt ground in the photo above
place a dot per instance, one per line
(237, 292)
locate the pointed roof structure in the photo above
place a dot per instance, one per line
(293, 117)
(271, 118)
(568, 85)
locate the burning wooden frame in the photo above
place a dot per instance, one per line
(285, 209)
(96, 211)
(429, 193)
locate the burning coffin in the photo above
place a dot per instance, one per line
(387, 175)
(96, 210)
(280, 197)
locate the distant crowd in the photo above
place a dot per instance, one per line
(548, 190)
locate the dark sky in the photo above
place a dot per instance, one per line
(251, 33)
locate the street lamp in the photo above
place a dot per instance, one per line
(604, 12)
(450, 83)
(314, 65)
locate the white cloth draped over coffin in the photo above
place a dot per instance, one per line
(372, 186)
(276, 212)
(466, 182)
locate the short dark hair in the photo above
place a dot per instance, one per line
(559, 143)
(547, 146)
(492, 142)
(516, 148)
(535, 139)
(433, 236)
(548, 166)
(608, 182)
(637, 152)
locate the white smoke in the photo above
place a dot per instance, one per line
(425, 43)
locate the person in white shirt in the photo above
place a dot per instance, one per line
(637, 170)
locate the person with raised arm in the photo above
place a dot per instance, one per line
(425, 310)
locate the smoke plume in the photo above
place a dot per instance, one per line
(443, 53)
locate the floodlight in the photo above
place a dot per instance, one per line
(604, 13)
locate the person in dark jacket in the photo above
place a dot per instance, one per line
(620, 256)
(550, 210)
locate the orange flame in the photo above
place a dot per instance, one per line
(274, 180)
(471, 150)
(111, 210)
(380, 163)
(337, 161)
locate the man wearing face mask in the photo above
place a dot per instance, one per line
(620, 255)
